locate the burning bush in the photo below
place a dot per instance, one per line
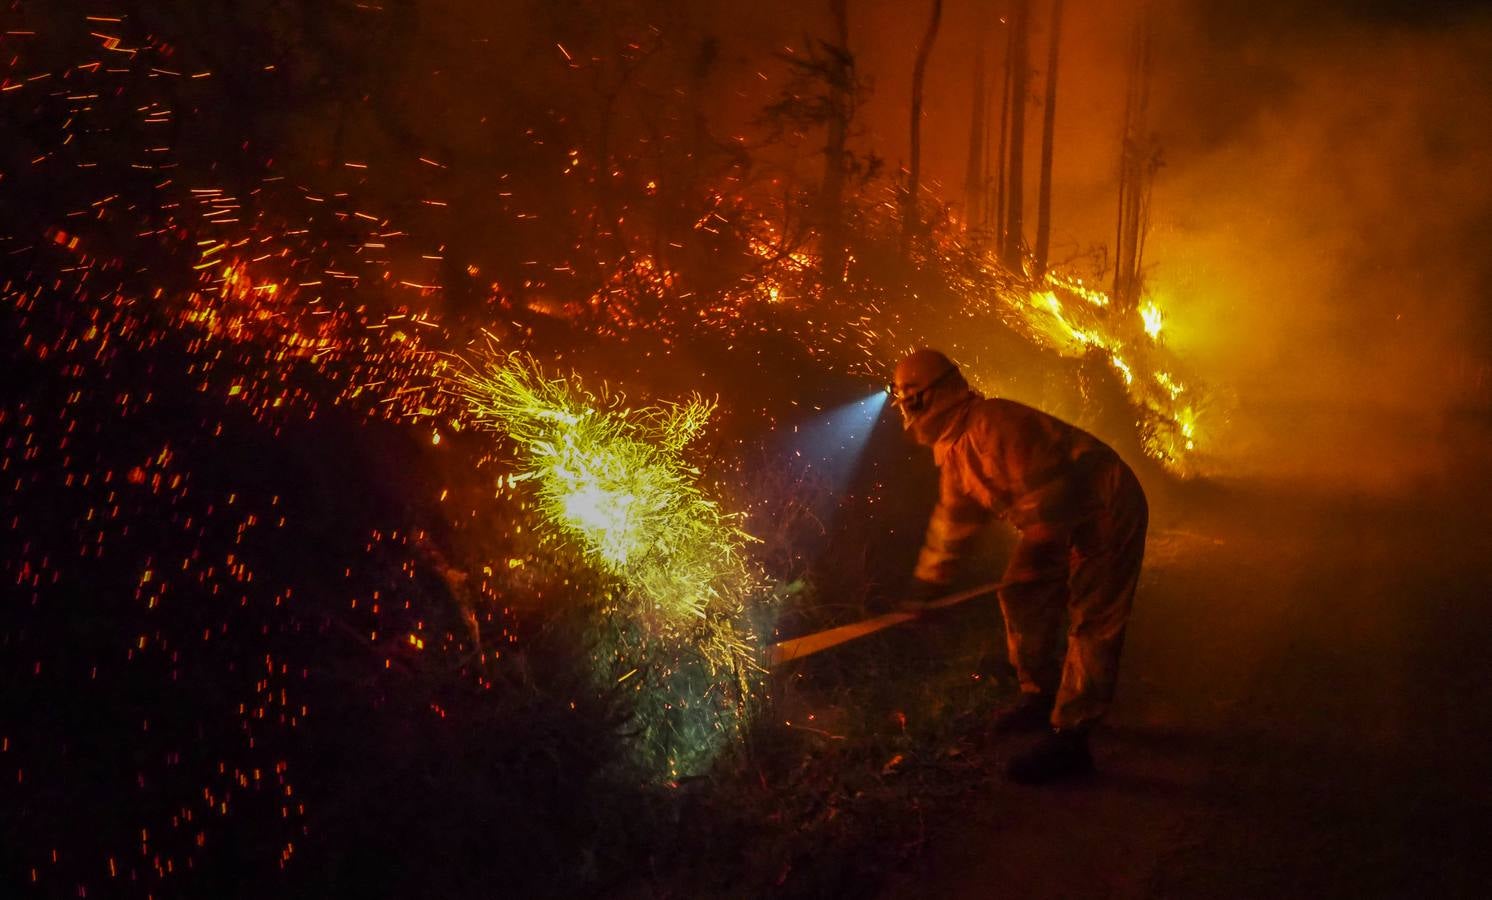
(615, 481)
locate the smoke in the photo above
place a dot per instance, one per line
(1321, 235)
(1319, 230)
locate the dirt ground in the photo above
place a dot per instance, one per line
(1305, 711)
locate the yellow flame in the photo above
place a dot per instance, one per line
(1152, 317)
(1075, 320)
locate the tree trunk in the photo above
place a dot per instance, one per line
(997, 210)
(831, 196)
(975, 190)
(1136, 166)
(1048, 123)
(910, 220)
(974, 171)
(1019, 24)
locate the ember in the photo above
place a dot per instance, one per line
(434, 413)
(616, 480)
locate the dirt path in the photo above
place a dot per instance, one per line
(1306, 711)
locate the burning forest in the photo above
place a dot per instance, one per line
(422, 419)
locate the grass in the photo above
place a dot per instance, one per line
(860, 746)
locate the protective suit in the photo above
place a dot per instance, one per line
(1081, 515)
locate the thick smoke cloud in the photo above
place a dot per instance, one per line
(1322, 231)
(1320, 227)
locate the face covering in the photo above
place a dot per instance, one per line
(944, 408)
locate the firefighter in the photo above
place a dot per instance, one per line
(1081, 515)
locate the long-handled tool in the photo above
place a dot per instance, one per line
(809, 644)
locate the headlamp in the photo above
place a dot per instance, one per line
(916, 401)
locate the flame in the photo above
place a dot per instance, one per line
(1074, 320)
(1153, 319)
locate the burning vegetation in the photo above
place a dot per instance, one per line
(308, 533)
(615, 481)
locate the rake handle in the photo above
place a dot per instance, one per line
(809, 644)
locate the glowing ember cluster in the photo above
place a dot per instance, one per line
(616, 480)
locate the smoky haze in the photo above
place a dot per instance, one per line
(1319, 229)
(1321, 225)
(1321, 233)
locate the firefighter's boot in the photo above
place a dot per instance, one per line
(1028, 713)
(1059, 755)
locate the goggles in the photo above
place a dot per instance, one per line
(916, 401)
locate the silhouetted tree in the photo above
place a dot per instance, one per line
(825, 90)
(911, 221)
(1020, 15)
(1048, 124)
(1139, 159)
(997, 208)
(843, 98)
(976, 173)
